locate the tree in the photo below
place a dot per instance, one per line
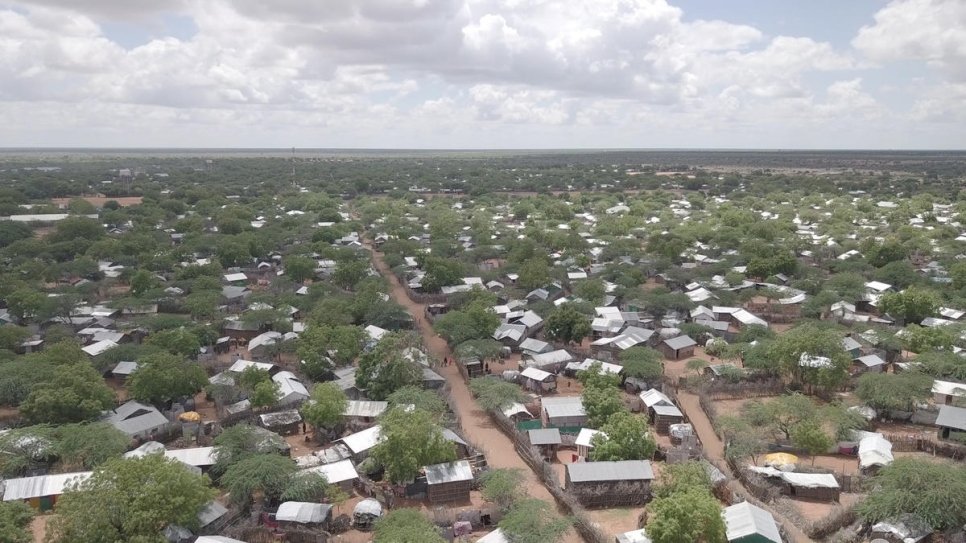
(164, 377)
(15, 520)
(642, 363)
(911, 305)
(202, 305)
(474, 321)
(145, 494)
(75, 393)
(24, 303)
(251, 377)
(142, 281)
(426, 400)
(742, 440)
(299, 268)
(566, 324)
(327, 406)
(319, 346)
(623, 437)
(686, 517)
(495, 394)
(696, 365)
(811, 437)
(894, 391)
(923, 339)
(265, 394)
(601, 403)
(933, 491)
(384, 369)
(83, 446)
(784, 355)
(441, 272)
(942, 365)
(240, 441)
(267, 475)
(12, 336)
(406, 526)
(179, 341)
(534, 273)
(307, 486)
(590, 290)
(533, 521)
(782, 414)
(682, 477)
(502, 487)
(409, 441)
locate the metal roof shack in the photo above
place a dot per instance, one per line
(951, 418)
(746, 523)
(303, 512)
(449, 482)
(563, 411)
(600, 472)
(544, 436)
(337, 473)
(136, 419)
(680, 342)
(99, 348)
(42, 486)
(365, 409)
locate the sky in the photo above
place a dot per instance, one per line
(493, 74)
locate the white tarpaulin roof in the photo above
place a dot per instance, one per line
(303, 512)
(25, 488)
(804, 480)
(874, 450)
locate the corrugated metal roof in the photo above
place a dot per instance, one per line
(625, 470)
(667, 410)
(680, 342)
(744, 519)
(952, 417)
(363, 408)
(585, 436)
(25, 488)
(496, 536)
(336, 472)
(567, 406)
(449, 472)
(362, 441)
(654, 397)
(536, 374)
(634, 536)
(544, 436)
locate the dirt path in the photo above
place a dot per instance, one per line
(714, 448)
(476, 424)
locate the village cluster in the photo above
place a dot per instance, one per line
(724, 357)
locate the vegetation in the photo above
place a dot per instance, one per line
(406, 526)
(533, 521)
(933, 491)
(623, 437)
(409, 441)
(495, 393)
(326, 406)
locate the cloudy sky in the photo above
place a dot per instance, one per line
(483, 73)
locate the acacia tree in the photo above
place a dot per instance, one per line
(642, 363)
(894, 391)
(810, 437)
(502, 487)
(685, 516)
(163, 377)
(75, 393)
(495, 393)
(409, 441)
(15, 520)
(911, 305)
(533, 521)
(406, 526)
(326, 407)
(384, 369)
(145, 494)
(322, 347)
(427, 400)
(933, 491)
(624, 437)
(567, 324)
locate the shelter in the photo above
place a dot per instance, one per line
(123, 370)
(666, 416)
(565, 412)
(875, 451)
(951, 422)
(538, 380)
(815, 486)
(281, 422)
(906, 528)
(496, 536)
(449, 482)
(342, 474)
(217, 539)
(870, 363)
(746, 523)
(945, 392)
(291, 391)
(634, 536)
(41, 492)
(552, 362)
(364, 410)
(626, 482)
(137, 420)
(297, 514)
(546, 440)
(678, 347)
(584, 441)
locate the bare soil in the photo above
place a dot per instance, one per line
(476, 424)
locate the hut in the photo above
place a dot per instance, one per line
(665, 416)
(342, 474)
(365, 513)
(946, 392)
(546, 440)
(565, 412)
(633, 536)
(584, 441)
(677, 348)
(870, 363)
(449, 482)
(951, 422)
(496, 536)
(137, 420)
(284, 423)
(123, 370)
(746, 523)
(41, 492)
(472, 366)
(875, 451)
(538, 380)
(363, 411)
(303, 515)
(813, 486)
(552, 362)
(626, 482)
(360, 443)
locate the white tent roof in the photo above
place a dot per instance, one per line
(585, 435)
(302, 512)
(744, 519)
(336, 472)
(875, 450)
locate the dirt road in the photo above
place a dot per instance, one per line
(476, 424)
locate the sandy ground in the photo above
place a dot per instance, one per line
(38, 527)
(476, 424)
(815, 510)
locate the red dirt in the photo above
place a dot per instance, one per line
(476, 424)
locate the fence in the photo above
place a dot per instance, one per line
(722, 390)
(904, 443)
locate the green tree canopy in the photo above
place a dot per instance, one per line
(566, 324)
(406, 526)
(165, 377)
(503, 487)
(15, 520)
(692, 515)
(385, 369)
(75, 393)
(265, 474)
(326, 407)
(602, 403)
(912, 305)
(894, 391)
(146, 495)
(495, 393)
(623, 437)
(410, 440)
(933, 491)
(427, 400)
(533, 521)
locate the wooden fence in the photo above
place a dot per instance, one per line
(904, 443)
(722, 390)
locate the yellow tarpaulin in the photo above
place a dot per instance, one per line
(780, 459)
(190, 416)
